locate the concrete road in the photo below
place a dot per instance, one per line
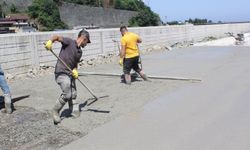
(211, 115)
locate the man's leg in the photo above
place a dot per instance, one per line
(126, 70)
(144, 76)
(73, 102)
(70, 103)
(57, 108)
(139, 70)
(64, 82)
(128, 79)
(6, 90)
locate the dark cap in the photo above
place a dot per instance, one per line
(84, 33)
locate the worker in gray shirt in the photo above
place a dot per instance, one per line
(71, 53)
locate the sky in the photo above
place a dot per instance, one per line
(215, 10)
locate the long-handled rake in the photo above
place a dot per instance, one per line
(119, 49)
(82, 83)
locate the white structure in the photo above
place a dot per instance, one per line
(20, 52)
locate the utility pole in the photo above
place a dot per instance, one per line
(166, 19)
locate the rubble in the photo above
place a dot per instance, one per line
(93, 61)
(239, 40)
(28, 128)
(9, 76)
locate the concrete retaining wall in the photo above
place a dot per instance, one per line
(79, 15)
(20, 52)
(20, 4)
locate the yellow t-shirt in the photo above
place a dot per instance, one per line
(129, 40)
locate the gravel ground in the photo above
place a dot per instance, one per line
(28, 128)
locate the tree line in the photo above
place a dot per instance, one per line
(196, 21)
(46, 12)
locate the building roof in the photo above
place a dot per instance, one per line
(17, 17)
(7, 22)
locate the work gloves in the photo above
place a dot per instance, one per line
(75, 74)
(121, 61)
(48, 45)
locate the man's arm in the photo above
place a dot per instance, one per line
(49, 43)
(123, 51)
(123, 48)
(122, 54)
(57, 38)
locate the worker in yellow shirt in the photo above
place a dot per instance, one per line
(129, 55)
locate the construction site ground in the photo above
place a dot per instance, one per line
(162, 114)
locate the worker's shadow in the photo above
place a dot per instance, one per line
(66, 113)
(134, 78)
(13, 100)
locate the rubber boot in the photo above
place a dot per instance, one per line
(70, 103)
(75, 111)
(7, 101)
(56, 110)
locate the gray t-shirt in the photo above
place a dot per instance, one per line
(71, 54)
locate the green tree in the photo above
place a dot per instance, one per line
(145, 17)
(13, 8)
(134, 5)
(220, 22)
(198, 21)
(46, 12)
(1, 11)
(173, 23)
(84, 2)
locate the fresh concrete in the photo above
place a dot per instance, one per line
(212, 115)
(161, 114)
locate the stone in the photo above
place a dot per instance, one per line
(89, 62)
(156, 47)
(9, 76)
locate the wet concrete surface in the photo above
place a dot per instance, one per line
(212, 115)
(31, 126)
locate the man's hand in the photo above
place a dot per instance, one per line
(121, 61)
(48, 45)
(75, 74)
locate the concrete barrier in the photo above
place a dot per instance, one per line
(75, 15)
(21, 52)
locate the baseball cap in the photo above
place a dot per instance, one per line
(85, 33)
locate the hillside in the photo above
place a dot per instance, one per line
(132, 5)
(54, 14)
(21, 5)
(79, 15)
